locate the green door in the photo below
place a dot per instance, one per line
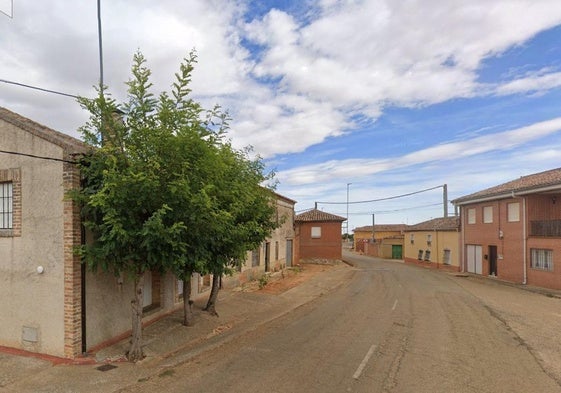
(396, 251)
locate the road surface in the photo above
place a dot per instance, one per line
(390, 328)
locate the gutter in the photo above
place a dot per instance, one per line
(509, 194)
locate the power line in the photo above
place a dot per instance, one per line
(381, 199)
(39, 157)
(391, 211)
(37, 88)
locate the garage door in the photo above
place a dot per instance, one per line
(474, 256)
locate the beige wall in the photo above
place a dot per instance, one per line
(441, 240)
(285, 214)
(33, 303)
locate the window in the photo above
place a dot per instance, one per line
(513, 212)
(412, 237)
(255, 257)
(316, 232)
(10, 202)
(542, 259)
(488, 214)
(420, 255)
(427, 255)
(446, 257)
(6, 205)
(471, 216)
(429, 239)
(276, 251)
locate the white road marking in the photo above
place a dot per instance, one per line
(364, 361)
(394, 305)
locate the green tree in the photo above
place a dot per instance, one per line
(244, 217)
(136, 190)
(163, 190)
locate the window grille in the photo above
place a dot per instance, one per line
(6, 206)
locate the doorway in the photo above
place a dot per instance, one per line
(288, 252)
(267, 256)
(493, 260)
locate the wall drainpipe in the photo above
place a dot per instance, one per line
(524, 240)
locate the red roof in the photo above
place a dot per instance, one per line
(382, 228)
(437, 224)
(316, 215)
(543, 181)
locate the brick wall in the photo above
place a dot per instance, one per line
(72, 266)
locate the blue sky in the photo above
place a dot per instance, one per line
(388, 96)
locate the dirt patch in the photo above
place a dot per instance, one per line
(290, 278)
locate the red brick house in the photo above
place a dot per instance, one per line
(318, 237)
(513, 230)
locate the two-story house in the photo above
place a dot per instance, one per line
(435, 242)
(513, 231)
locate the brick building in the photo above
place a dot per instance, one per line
(318, 237)
(513, 231)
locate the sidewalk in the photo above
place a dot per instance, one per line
(168, 343)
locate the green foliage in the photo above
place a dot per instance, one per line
(263, 281)
(163, 190)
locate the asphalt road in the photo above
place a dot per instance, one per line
(390, 328)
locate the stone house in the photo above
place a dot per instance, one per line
(318, 237)
(52, 303)
(435, 242)
(276, 252)
(512, 231)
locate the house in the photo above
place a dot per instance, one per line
(276, 252)
(318, 237)
(513, 230)
(435, 242)
(384, 241)
(53, 304)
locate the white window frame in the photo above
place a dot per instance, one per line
(487, 214)
(541, 259)
(316, 232)
(513, 210)
(471, 216)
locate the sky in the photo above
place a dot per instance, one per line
(367, 109)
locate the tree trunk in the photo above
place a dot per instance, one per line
(211, 304)
(187, 311)
(135, 352)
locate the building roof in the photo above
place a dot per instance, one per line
(437, 224)
(316, 215)
(382, 228)
(69, 144)
(538, 182)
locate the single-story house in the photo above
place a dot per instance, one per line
(380, 240)
(513, 230)
(52, 303)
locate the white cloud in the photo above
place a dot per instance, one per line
(351, 168)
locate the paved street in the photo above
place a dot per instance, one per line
(380, 326)
(390, 328)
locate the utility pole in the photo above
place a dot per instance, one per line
(347, 222)
(445, 199)
(100, 45)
